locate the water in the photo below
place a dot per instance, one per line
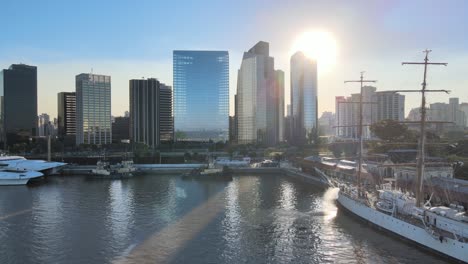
(163, 219)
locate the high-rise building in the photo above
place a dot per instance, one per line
(464, 109)
(326, 123)
(446, 117)
(376, 106)
(151, 118)
(390, 105)
(303, 99)
(66, 114)
(260, 95)
(121, 129)
(93, 109)
(201, 95)
(279, 107)
(232, 129)
(44, 126)
(18, 103)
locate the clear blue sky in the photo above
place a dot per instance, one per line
(132, 39)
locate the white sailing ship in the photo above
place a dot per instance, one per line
(443, 230)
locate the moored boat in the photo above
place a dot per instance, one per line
(10, 176)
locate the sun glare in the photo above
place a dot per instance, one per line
(318, 45)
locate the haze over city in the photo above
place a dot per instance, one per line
(129, 40)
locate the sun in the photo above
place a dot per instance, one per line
(318, 45)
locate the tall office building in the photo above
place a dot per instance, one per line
(279, 106)
(201, 94)
(44, 126)
(66, 113)
(260, 94)
(93, 109)
(18, 103)
(303, 99)
(151, 118)
(121, 129)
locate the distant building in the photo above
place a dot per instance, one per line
(44, 126)
(390, 105)
(260, 95)
(18, 109)
(303, 99)
(444, 117)
(66, 114)
(326, 124)
(121, 129)
(232, 129)
(151, 118)
(201, 94)
(93, 109)
(377, 106)
(464, 109)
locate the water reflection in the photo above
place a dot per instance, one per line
(119, 218)
(163, 219)
(232, 222)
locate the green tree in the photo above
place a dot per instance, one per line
(180, 135)
(389, 130)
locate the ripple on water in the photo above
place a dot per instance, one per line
(270, 219)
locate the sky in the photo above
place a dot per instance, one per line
(134, 39)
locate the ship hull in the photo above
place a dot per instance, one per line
(14, 181)
(453, 249)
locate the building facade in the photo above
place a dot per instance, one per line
(444, 117)
(44, 126)
(377, 106)
(93, 109)
(390, 105)
(151, 118)
(260, 95)
(201, 95)
(18, 103)
(303, 99)
(464, 109)
(121, 129)
(66, 114)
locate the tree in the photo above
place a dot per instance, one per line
(180, 135)
(336, 149)
(389, 130)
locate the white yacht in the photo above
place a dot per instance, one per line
(9, 176)
(21, 163)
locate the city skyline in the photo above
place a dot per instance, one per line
(374, 37)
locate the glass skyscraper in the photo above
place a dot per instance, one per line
(260, 98)
(201, 95)
(303, 99)
(93, 109)
(18, 103)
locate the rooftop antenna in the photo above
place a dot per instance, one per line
(362, 81)
(422, 136)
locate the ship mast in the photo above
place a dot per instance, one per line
(361, 141)
(422, 136)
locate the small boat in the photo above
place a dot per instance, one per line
(122, 170)
(9, 176)
(224, 174)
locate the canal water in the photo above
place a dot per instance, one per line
(164, 219)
